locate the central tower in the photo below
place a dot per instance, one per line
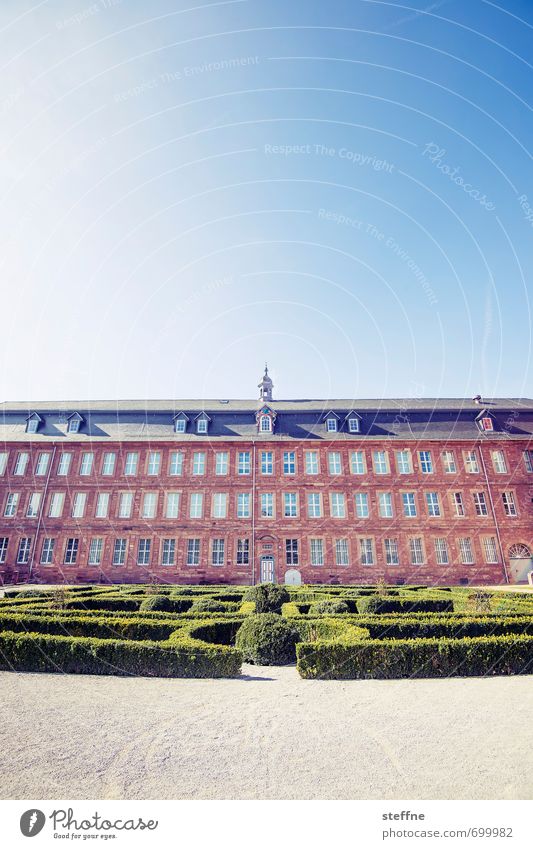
(265, 387)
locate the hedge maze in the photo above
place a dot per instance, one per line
(207, 632)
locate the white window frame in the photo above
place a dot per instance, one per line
(312, 466)
(342, 552)
(316, 551)
(65, 461)
(314, 505)
(172, 505)
(362, 507)
(337, 505)
(125, 505)
(196, 505)
(357, 463)
(409, 505)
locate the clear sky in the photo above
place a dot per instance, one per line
(189, 189)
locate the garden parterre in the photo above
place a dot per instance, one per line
(330, 632)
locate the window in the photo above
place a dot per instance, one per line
(125, 505)
(353, 425)
(498, 462)
(243, 463)
(291, 552)
(337, 505)
(47, 551)
(486, 423)
(289, 463)
(458, 504)
(196, 505)
(180, 425)
(490, 550)
(108, 463)
(193, 552)
(71, 550)
(316, 550)
(342, 557)
(314, 505)
(311, 462)
(221, 463)
(175, 466)
(102, 505)
(366, 549)
(23, 553)
(220, 505)
(267, 505)
(149, 505)
(168, 552)
(243, 552)
(441, 551)
(331, 425)
(143, 552)
(217, 552)
(32, 425)
(416, 551)
(509, 504)
(78, 505)
(334, 463)
(357, 463)
(33, 505)
(267, 463)
(426, 463)
(392, 557)
(4, 541)
(361, 505)
(3, 462)
(480, 504)
(403, 462)
(381, 466)
(409, 504)
(55, 509)
(448, 462)
(290, 504)
(385, 505)
(95, 551)
(265, 424)
(243, 505)
(65, 459)
(465, 550)
(528, 461)
(41, 466)
(201, 426)
(21, 463)
(154, 462)
(132, 461)
(433, 504)
(173, 505)
(86, 465)
(471, 464)
(119, 552)
(73, 425)
(198, 463)
(12, 501)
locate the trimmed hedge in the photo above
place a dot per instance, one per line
(424, 658)
(268, 598)
(384, 604)
(328, 607)
(156, 602)
(267, 639)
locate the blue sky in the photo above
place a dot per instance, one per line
(189, 189)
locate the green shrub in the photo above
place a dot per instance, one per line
(267, 639)
(268, 598)
(328, 607)
(506, 655)
(384, 604)
(207, 605)
(156, 602)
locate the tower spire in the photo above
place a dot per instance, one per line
(265, 386)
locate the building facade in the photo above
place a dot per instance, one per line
(340, 491)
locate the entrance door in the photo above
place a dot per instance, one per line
(520, 563)
(267, 570)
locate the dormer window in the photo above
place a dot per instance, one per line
(331, 425)
(74, 422)
(180, 422)
(202, 423)
(265, 424)
(32, 423)
(353, 425)
(265, 418)
(485, 421)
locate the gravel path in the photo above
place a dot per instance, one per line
(267, 735)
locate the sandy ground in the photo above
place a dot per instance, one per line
(267, 735)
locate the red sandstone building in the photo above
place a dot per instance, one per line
(417, 491)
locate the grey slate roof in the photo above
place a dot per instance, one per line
(409, 419)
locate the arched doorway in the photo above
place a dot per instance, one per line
(293, 577)
(520, 562)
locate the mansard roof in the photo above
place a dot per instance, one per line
(411, 420)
